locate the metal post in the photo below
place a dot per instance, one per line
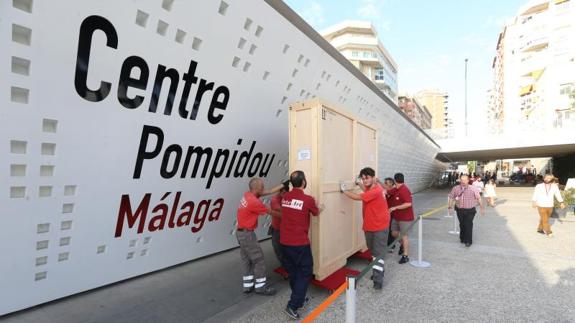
(466, 98)
(447, 215)
(350, 300)
(455, 226)
(419, 263)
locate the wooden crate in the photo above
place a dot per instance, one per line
(330, 146)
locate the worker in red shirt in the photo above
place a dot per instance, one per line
(375, 219)
(296, 251)
(401, 210)
(276, 213)
(253, 264)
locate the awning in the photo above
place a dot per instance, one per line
(560, 1)
(526, 90)
(537, 74)
(537, 8)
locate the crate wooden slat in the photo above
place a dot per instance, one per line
(330, 146)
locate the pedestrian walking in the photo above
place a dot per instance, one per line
(490, 194)
(375, 220)
(465, 198)
(543, 196)
(296, 251)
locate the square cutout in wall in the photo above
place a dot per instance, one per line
(196, 43)
(40, 261)
(43, 228)
(248, 24)
(19, 95)
(48, 149)
(49, 125)
(45, 191)
(133, 243)
(68, 208)
(65, 241)
(66, 225)
(63, 256)
(17, 170)
(162, 28)
(24, 5)
(180, 36)
(47, 170)
(223, 8)
(21, 35)
(101, 249)
(167, 4)
(18, 192)
(41, 245)
(142, 18)
(130, 255)
(20, 66)
(70, 190)
(18, 146)
(147, 240)
(41, 276)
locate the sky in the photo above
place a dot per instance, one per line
(429, 40)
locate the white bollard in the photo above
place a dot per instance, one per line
(447, 215)
(455, 224)
(419, 263)
(350, 300)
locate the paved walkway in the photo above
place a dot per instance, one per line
(510, 273)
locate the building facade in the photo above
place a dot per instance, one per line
(534, 68)
(436, 103)
(415, 111)
(359, 43)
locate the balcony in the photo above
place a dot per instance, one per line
(535, 44)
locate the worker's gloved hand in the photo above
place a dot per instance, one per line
(342, 186)
(286, 185)
(358, 180)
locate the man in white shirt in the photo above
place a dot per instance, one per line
(543, 200)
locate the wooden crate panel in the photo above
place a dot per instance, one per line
(331, 146)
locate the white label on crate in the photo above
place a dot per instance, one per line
(303, 154)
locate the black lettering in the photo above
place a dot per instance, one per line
(161, 74)
(189, 78)
(142, 153)
(127, 81)
(164, 168)
(202, 87)
(199, 152)
(87, 29)
(216, 104)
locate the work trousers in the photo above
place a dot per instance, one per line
(253, 265)
(465, 217)
(298, 262)
(376, 241)
(275, 233)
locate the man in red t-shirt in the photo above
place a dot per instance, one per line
(253, 264)
(375, 220)
(402, 215)
(276, 213)
(296, 251)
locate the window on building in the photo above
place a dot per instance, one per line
(373, 55)
(379, 74)
(366, 54)
(354, 53)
